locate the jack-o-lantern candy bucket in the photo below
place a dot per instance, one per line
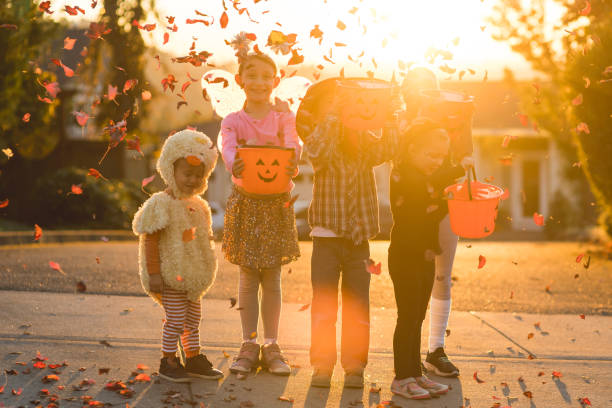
(265, 169)
(366, 102)
(452, 109)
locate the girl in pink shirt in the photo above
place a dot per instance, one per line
(259, 233)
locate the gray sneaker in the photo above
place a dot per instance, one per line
(272, 358)
(247, 358)
(321, 378)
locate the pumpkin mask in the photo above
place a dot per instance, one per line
(264, 171)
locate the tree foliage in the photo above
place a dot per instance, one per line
(574, 104)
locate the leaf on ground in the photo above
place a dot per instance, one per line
(57, 267)
(142, 377)
(478, 380)
(482, 260)
(103, 370)
(286, 399)
(81, 287)
(50, 378)
(579, 258)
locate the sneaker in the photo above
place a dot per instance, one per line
(439, 363)
(173, 371)
(321, 377)
(432, 387)
(408, 388)
(273, 360)
(247, 358)
(353, 378)
(200, 366)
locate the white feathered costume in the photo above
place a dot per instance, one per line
(185, 265)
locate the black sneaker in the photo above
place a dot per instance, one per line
(199, 366)
(173, 372)
(438, 363)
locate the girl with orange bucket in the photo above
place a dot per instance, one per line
(260, 148)
(422, 96)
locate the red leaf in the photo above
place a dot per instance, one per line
(45, 6)
(185, 86)
(67, 71)
(166, 38)
(582, 316)
(306, 306)
(577, 100)
(52, 88)
(557, 374)
(95, 173)
(50, 378)
(478, 380)
(147, 180)
(69, 43)
(481, 261)
(585, 12)
(584, 401)
(523, 119)
(146, 95)
(579, 258)
(37, 232)
(538, 219)
(134, 144)
(57, 267)
(16, 391)
(295, 58)
(373, 267)
(81, 118)
(583, 127)
(4, 203)
(26, 117)
(39, 364)
(142, 377)
(129, 84)
(528, 394)
(224, 20)
(142, 367)
(112, 92)
(45, 100)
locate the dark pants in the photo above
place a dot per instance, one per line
(331, 258)
(412, 283)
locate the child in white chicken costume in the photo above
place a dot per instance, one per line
(177, 260)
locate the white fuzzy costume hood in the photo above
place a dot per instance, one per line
(182, 145)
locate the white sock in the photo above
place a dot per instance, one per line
(254, 341)
(269, 341)
(439, 310)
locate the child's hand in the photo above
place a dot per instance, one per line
(280, 105)
(155, 283)
(430, 255)
(291, 167)
(238, 167)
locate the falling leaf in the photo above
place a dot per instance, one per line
(478, 380)
(538, 219)
(8, 152)
(583, 127)
(69, 43)
(147, 180)
(340, 25)
(95, 173)
(146, 95)
(4, 203)
(52, 88)
(523, 119)
(67, 71)
(577, 100)
(372, 267)
(45, 6)
(81, 287)
(112, 92)
(587, 82)
(316, 32)
(57, 267)
(38, 232)
(81, 118)
(586, 10)
(232, 302)
(76, 189)
(481, 261)
(295, 58)
(26, 118)
(304, 307)
(224, 20)
(579, 258)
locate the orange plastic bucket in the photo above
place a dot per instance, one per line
(264, 171)
(472, 207)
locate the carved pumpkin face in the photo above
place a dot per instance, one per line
(264, 171)
(267, 172)
(367, 103)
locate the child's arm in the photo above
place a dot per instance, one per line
(229, 143)
(151, 243)
(291, 138)
(320, 144)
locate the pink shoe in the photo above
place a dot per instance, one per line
(432, 387)
(408, 388)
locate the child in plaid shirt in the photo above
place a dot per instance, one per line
(343, 215)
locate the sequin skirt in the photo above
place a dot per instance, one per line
(259, 232)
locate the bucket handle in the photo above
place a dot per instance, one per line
(469, 182)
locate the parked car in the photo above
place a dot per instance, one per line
(218, 214)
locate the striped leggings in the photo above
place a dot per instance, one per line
(182, 319)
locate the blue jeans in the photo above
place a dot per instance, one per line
(332, 258)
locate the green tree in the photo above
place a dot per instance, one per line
(574, 102)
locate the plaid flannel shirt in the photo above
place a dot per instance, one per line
(344, 196)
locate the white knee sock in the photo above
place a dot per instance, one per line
(439, 310)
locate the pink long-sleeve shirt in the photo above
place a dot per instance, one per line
(275, 129)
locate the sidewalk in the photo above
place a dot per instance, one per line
(63, 236)
(93, 332)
